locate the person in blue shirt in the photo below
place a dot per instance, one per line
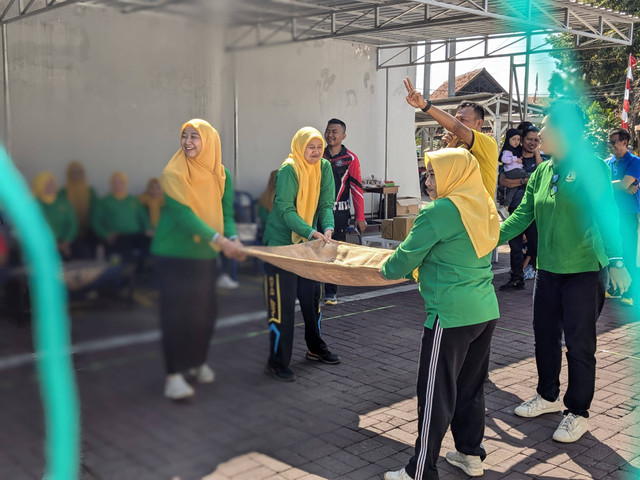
(625, 173)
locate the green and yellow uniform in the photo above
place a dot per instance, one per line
(182, 234)
(454, 283)
(284, 217)
(450, 244)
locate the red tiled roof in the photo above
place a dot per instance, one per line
(461, 81)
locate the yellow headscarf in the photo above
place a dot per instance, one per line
(199, 183)
(79, 195)
(458, 179)
(123, 176)
(154, 204)
(39, 185)
(309, 177)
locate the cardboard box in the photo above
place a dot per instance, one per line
(408, 206)
(402, 227)
(387, 229)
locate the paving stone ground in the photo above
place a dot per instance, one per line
(350, 421)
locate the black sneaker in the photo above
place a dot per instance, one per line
(282, 374)
(325, 357)
(515, 284)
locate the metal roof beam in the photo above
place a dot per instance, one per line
(374, 33)
(403, 22)
(534, 25)
(11, 14)
(400, 59)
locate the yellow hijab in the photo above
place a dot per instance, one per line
(458, 178)
(153, 204)
(79, 195)
(309, 177)
(123, 176)
(40, 184)
(199, 183)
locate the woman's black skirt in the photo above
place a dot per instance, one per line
(188, 310)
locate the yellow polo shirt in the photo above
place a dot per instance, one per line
(485, 149)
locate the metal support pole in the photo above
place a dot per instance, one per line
(386, 127)
(424, 140)
(7, 102)
(515, 78)
(426, 82)
(526, 79)
(511, 68)
(451, 52)
(236, 143)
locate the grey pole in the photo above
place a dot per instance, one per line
(7, 103)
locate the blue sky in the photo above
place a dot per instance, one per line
(540, 64)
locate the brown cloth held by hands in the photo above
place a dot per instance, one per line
(336, 262)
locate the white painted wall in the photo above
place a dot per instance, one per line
(109, 89)
(113, 89)
(287, 87)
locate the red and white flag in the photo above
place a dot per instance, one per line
(625, 105)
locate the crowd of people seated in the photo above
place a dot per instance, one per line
(85, 226)
(117, 228)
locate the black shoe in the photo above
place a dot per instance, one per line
(325, 357)
(514, 283)
(282, 374)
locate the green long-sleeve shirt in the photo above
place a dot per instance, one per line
(284, 218)
(61, 218)
(126, 216)
(174, 236)
(577, 221)
(93, 198)
(454, 283)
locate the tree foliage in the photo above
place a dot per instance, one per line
(596, 78)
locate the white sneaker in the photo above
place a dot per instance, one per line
(226, 282)
(203, 374)
(177, 388)
(571, 428)
(399, 475)
(537, 406)
(469, 464)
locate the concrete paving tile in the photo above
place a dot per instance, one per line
(354, 420)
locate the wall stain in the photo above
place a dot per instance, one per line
(367, 78)
(327, 79)
(352, 98)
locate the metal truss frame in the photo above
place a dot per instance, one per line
(405, 23)
(407, 55)
(12, 10)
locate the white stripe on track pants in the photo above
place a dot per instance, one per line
(454, 364)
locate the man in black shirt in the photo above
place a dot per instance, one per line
(531, 158)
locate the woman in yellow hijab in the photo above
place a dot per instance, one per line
(80, 195)
(195, 225)
(153, 199)
(57, 210)
(450, 245)
(82, 198)
(302, 211)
